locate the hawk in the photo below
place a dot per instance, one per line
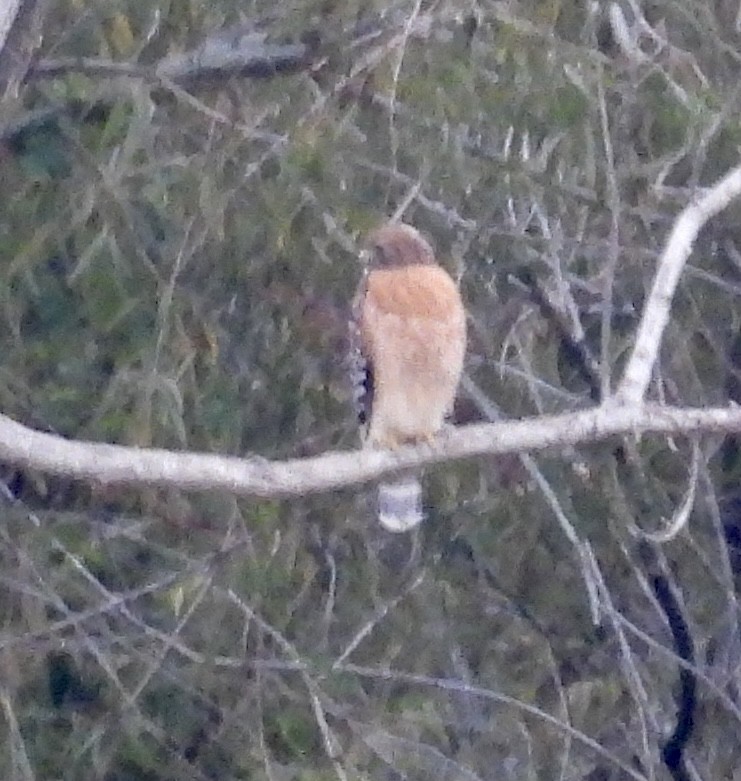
(409, 329)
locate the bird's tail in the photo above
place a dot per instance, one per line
(400, 504)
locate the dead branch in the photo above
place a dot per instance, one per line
(634, 383)
(19, 38)
(229, 53)
(258, 477)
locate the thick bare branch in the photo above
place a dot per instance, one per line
(119, 465)
(637, 375)
(8, 14)
(19, 38)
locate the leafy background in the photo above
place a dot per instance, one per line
(177, 263)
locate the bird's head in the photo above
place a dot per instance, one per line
(398, 244)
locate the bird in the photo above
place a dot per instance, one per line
(408, 332)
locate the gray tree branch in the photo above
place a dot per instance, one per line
(257, 477)
(637, 376)
(19, 39)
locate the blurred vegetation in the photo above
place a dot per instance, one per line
(176, 265)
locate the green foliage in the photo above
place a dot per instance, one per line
(176, 267)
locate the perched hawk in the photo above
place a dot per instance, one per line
(409, 330)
